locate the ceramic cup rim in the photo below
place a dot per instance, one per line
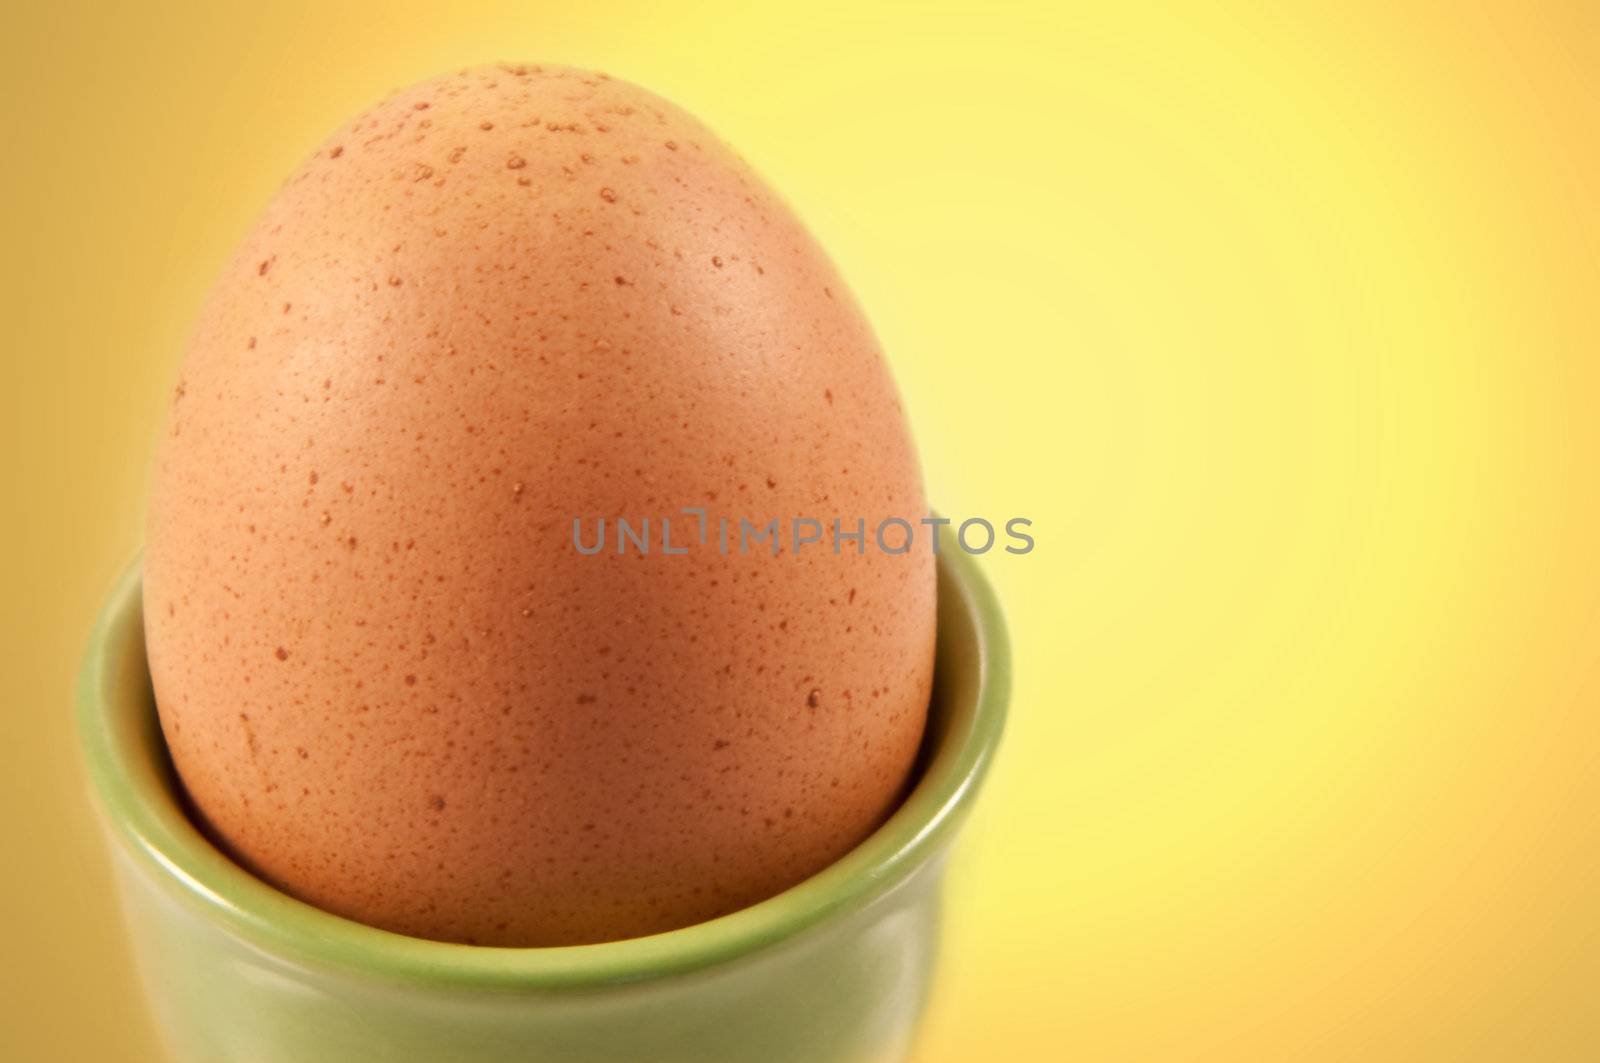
(123, 748)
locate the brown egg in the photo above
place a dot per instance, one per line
(391, 683)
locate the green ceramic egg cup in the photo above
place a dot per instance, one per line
(834, 969)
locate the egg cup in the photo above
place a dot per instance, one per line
(835, 968)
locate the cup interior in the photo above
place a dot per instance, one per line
(142, 802)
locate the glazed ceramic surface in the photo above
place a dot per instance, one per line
(834, 969)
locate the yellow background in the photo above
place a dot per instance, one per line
(1283, 329)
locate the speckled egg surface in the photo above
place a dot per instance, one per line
(390, 682)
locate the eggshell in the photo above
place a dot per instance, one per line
(391, 684)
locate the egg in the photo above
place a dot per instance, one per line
(396, 679)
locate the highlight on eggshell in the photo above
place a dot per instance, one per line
(496, 302)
